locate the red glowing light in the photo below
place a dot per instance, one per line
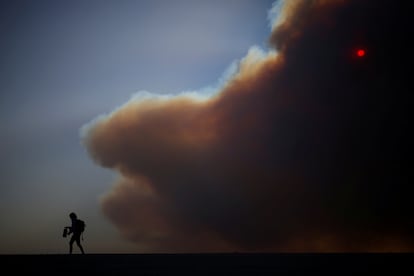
(360, 52)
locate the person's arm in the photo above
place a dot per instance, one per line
(70, 229)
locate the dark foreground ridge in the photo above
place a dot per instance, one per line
(209, 264)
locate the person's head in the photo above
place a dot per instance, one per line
(72, 215)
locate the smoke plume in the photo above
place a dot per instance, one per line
(305, 148)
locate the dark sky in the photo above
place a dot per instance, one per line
(305, 148)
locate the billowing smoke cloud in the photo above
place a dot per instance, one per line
(303, 149)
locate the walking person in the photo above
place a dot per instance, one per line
(76, 229)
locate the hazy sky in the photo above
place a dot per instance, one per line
(195, 126)
(62, 63)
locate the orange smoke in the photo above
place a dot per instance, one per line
(301, 150)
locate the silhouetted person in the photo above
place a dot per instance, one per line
(76, 230)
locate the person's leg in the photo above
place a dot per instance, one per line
(72, 239)
(80, 247)
(79, 244)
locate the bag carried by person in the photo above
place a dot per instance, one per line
(81, 226)
(65, 232)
